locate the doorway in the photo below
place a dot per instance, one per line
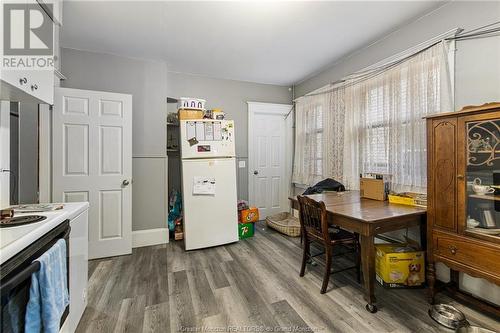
(270, 147)
(92, 161)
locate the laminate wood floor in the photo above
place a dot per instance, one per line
(249, 286)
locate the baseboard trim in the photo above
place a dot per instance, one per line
(149, 237)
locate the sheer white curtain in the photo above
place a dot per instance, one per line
(319, 139)
(384, 125)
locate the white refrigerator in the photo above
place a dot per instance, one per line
(208, 183)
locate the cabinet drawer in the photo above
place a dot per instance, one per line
(469, 252)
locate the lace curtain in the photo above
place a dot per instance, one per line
(319, 139)
(384, 127)
(374, 125)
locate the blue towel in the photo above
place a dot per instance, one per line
(48, 292)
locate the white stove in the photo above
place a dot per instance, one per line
(20, 245)
(15, 238)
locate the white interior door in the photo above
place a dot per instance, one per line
(92, 161)
(269, 156)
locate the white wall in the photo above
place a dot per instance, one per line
(4, 154)
(477, 70)
(146, 81)
(27, 176)
(477, 74)
(149, 193)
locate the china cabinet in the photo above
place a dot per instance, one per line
(464, 196)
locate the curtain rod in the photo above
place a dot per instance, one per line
(387, 61)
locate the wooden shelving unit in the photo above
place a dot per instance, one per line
(451, 139)
(173, 150)
(485, 197)
(482, 235)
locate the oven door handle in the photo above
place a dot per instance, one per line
(66, 234)
(19, 277)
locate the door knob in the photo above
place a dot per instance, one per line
(255, 172)
(125, 183)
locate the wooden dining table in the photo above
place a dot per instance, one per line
(369, 218)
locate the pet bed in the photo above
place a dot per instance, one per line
(284, 223)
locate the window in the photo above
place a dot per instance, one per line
(373, 122)
(314, 136)
(392, 128)
(319, 137)
(374, 134)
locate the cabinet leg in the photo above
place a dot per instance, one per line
(454, 278)
(431, 281)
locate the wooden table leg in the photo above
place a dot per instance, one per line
(368, 265)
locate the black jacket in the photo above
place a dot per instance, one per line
(328, 184)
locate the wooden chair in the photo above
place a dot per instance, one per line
(315, 228)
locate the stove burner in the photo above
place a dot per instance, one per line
(20, 220)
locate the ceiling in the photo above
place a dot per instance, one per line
(272, 42)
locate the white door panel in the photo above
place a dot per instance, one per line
(92, 157)
(268, 160)
(270, 170)
(210, 220)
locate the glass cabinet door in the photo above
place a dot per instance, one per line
(482, 172)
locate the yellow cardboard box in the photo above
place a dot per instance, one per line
(398, 266)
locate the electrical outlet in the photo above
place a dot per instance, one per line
(241, 164)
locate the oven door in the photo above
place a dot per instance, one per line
(15, 279)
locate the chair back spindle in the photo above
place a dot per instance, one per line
(313, 219)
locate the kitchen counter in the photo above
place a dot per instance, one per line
(15, 239)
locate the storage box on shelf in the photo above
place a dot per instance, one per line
(187, 114)
(191, 103)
